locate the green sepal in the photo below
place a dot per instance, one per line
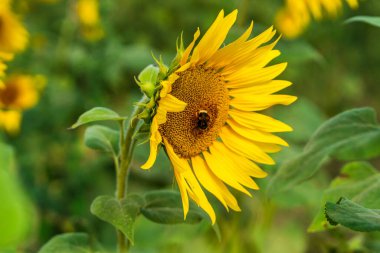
(147, 80)
(180, 49)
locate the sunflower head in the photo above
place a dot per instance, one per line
(204, 112)
(88, 16)
(13, 35)
(20, 92)
(296, 15)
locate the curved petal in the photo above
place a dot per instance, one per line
(213, 38)
(243, 146)
(189, 182)
(155, 140)
(256, 135)
(242, 164)
(187, 51)
(266, 88)
(247, 76)
(172, 104)
(259, 103)
(230, 163)
(213, 184)
(259, 121)
(215, 162)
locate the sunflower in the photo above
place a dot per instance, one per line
(19, 93)
(88, 16)
(296, 15)
(206, 114)
(13, 35)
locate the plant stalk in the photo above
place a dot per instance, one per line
(125, 158)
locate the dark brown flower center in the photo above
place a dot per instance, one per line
(9, 95)
(193, 130)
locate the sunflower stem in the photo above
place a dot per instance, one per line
(127, 145)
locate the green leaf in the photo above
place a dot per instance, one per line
(351, 135)
(358, 181)
(165, 207)
(102, 138)
(71, 243)
(97, 114)
(121, 214)
(375, 21)
(353, 216)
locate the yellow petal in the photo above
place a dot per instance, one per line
(213, 184)
(187, 51)
(192, 185)
(243, 146)
(214, 37)
(242, 164)
(266, 88)
(260, 102)
(253, 60)
(218, 167)
(167, 84)
(182, 189)
(255, 135)
(268, 147)
(229, 57)
(155, 140)
(172, 104)
(230, 162)
(247, 76)
(259, 121)
(222, 57)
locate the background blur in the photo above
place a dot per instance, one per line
(333, 66)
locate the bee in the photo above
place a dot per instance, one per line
(203, 119)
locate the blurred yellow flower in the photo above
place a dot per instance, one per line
(13, 35)
(88, 16)
(295, 16)
(20, 92)
(207, 114)
(10, 121)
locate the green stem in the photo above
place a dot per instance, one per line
(127, 147)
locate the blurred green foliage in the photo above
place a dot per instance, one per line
(334, 67)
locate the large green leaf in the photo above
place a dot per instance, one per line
(353, 216)
(166, 207)
(351, 135)
(121, 214)
(375, 21)
(97, 114)
(358, 181)
(71, 243)
(102, 138)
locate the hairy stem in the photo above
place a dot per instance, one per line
(127, 145)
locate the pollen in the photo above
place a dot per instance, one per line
(203, 89)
